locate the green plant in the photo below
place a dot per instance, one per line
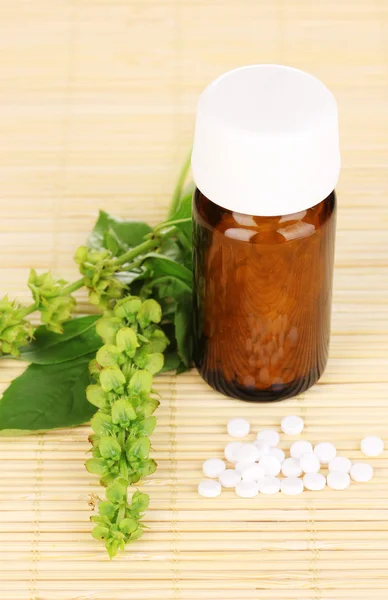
(141, 278)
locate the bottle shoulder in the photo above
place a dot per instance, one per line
(263, 230)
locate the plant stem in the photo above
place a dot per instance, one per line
(179, 186)
(72, 287)
(142, 248)
(27, 310)
(172, 222)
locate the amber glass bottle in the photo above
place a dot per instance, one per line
(262, 284)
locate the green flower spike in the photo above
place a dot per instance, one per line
(123, 371)
(15, 331)
(51, 299)
(98, 269)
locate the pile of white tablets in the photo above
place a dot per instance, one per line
(260, 466)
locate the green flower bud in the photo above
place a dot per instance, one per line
(107, 329)
(100, 533)
(112, 547)
(154, 362)
(127, 308)
(147, 426)
(110, 448)
(97, 466)
(141, 382)
(102, 424)
(150, 406)
(97, 396)
(138, 449)
(140, 503)
(148, 467)
(123, 413)
(158, 341)
(112, 379)
(116, 492)
(56, 311)
(126, 340)
(107, 509)
(136, 534)
(15, 331)
(108, 355)
(81, 255)
(150, 312)
(128, 525)
(94, 368)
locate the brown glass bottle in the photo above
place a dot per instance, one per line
(262, 298)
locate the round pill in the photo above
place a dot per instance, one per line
(340, 463)
(291, 486)
(372, 445)
(238, 428)
(270, 464)
(213, 467)
(242, 464)
(309, 462)
(292, 425)
(262, 447)
(361, 472)
(247, 489)
(269, 436)
(269, 485)
(325, 452)
(231, 450)
(291, 467)
(248, 452)
(252, 473)
(277, 453)
(314, 481)
(300, 447)
(229, 478)
(209, 488)
(338, 480)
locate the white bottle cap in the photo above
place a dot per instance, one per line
(266, 141)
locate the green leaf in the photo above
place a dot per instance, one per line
(100, 532)
(116, 492)
(79, 338)
(183, 328)
(161, 266)
(107, 509)
(172, 361)
(128, 526)
(111, 378)
(139, 448)
(47, 397)
(107, 329)
(184, 211)
(154, 362)
(150, 312)
(97, 466)
(123, 412)
(140, 503)
(141, 382)
(110, 448)
(126, 340)
(96, 396)
(102, 424)
(117, 235)
(147, 426)
(108, 355)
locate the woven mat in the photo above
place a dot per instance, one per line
(97, 111)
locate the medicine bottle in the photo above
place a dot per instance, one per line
(265, 162)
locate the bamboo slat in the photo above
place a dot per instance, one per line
(97, 111)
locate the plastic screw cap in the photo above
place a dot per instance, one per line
(266, 141)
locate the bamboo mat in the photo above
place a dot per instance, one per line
(97, 101)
